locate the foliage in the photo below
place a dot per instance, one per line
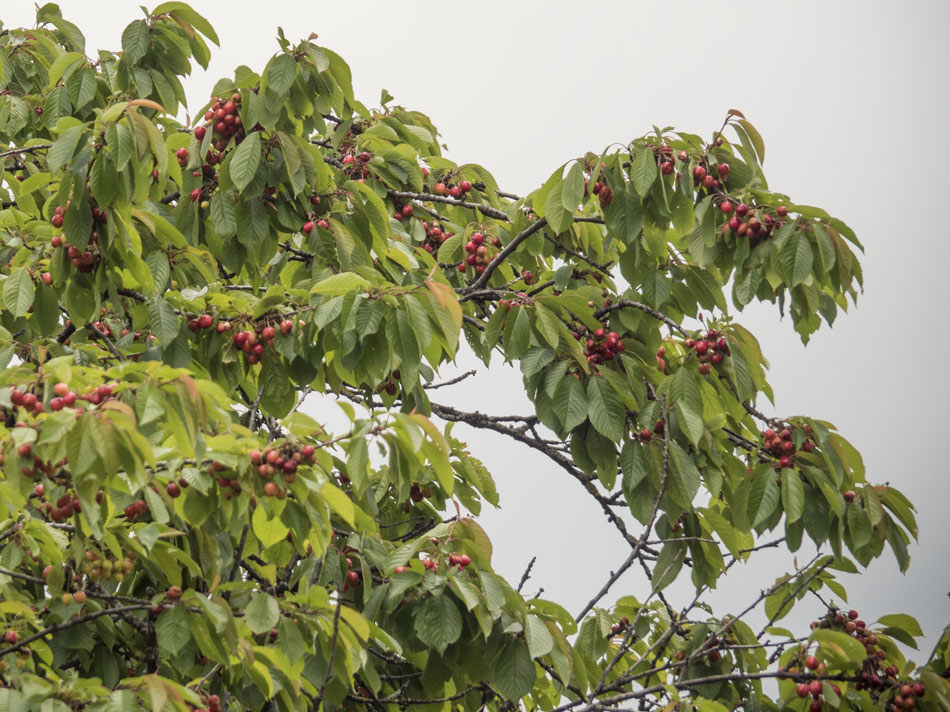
(177, 533)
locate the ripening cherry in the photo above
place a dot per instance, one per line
(811, 662)
(308, 227)
(781, 211)
(439, 189)
(465, 186)
(348, 159)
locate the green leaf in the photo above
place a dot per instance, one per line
(840, 647)
(262, 613)
(570, 403)
(279, 75)
(173, 630)
(605, 409)
(793, 495)
(513, 671)
(763, 495)
(18, 292)
(572, 189)
(624, 216)
(684, 479)
(903, 621)
(668, 565)
(244, 162)
(162, 319)
(795, 260)
(536, 633)
(63, 149)
(279, 393)
(644, 171)
(185, 12)
(438, 623)
(756, 138)
(340, 284)
(135, 41)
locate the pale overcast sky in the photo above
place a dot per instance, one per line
(851, 98)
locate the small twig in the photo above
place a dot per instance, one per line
(333, 639)
(527, 574)
(25, 149)
(503, 254)
(105, 339)
(451, 381)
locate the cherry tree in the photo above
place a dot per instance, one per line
(178, 533)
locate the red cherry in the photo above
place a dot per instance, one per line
(25, 450)
(465, 186)
(811, 662)
(814, 687)
(781, 211)
(11, 637)
(439, 189)
(723, 169)
(802, 690)
(699, 173)
(701, 347)
(173, 489)
(308, 227)
(347, 160)
(725, 206)
(196, 195)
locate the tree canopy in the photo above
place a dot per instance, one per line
(177, 533)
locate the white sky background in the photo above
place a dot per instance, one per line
(851, 99)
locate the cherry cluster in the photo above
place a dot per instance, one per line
(602, 191)
(224, 121)
(253, 343)
(66, 506)
(84, 260)
(781, 446)
(352, 577)
(478, 253)
(744, 222)
(417, 493)
(402, 211)
(454, 191)
(646, 435)
(206, 321)
(706, 179)
(96, 567)
(313, 222)
(435, 236)
(214, 705)
(284, 459)
(620, 626)
(355, 167)
(135, 510)
(709, 350)
(601, 346)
